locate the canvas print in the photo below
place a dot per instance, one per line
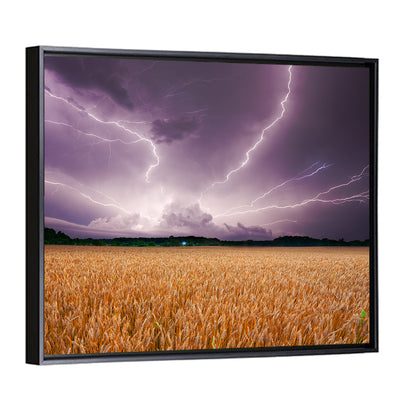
(204, 205)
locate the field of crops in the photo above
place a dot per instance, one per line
(116, 299)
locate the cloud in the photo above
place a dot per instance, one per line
(91, 73)
(84, 231)
(242, 232)
(178, 219)
(117, 223)
(173, 129)
(190, 217)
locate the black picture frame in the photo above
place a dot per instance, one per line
(35, 215)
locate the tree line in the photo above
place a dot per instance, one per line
(60, 238)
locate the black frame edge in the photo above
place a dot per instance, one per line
(35, 220)
(374, 306)
(196, 55)
(232, 57)
(33, 239)
(211, 354)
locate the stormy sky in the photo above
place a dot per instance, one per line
(237, 151)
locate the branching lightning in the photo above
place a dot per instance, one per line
(298, 177)
(117, 124)
(352, 180)
(103, 139)
(261, 138)
(113, 204)
(360, 197)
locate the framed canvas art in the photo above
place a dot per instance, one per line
(199, 205)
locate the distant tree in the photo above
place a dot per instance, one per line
(53, 237)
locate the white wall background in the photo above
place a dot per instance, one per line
(329, 385)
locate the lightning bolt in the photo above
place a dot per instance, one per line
(353, 179)
(298, 177)
(117, 124)
(133, 122)
(103, 139)
(276, 222)
(360, 197)
(261, 138)
(113, 204)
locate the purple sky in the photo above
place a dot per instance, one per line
(139, 147)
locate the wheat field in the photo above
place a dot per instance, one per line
(118, 299)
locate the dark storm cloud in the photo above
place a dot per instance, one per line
(173, 129)
(91, 73)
